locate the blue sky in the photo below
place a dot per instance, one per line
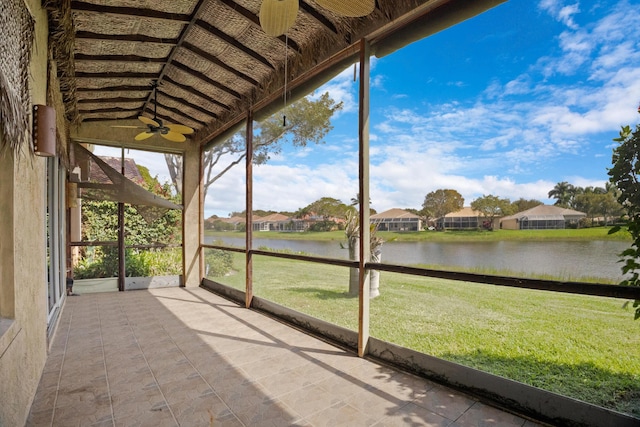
(508, 103)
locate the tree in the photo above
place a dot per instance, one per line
(523, 204)
(307, 121)
(440, 202)
(491, 207)
(625, 175)
(563, 193)
(326, 207)
(352, 232)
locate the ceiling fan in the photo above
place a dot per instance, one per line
(155, 126)
(277, 16)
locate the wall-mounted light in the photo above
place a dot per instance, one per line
(44, 130)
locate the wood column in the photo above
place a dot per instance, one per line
(249, 209)
(365, 241)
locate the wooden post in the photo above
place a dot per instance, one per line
(365, 240)
(201, 195)
(121, 248)
(249, 209)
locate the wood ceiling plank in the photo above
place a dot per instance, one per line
(130, 11)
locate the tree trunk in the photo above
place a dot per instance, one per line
(354, 255)
(374, 275)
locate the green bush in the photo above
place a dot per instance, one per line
(103, 262)
(218, 263)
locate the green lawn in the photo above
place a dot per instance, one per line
(595, 233)
(579, 346)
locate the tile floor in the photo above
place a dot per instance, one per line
(184, 356)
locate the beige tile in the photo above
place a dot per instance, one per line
(376, 405)
(159, 417)
(185, 389)
(136, 402)
(273, 365)
(340, 415)
(239, 396)
(293, 379)
(40, 418)
(187, 357)
(268, 413)
(446, 402)
(413, 415)
(486, 416)
(309, 400)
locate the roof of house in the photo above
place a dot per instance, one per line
(393, 214)
(464, 212)
(233, 220)
(131, 171)
(546, 211)
(272, 218)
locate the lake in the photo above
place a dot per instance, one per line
(565, 259)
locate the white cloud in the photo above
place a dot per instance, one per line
(561, 12)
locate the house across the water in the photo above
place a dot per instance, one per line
(396, 220)
(542, 217)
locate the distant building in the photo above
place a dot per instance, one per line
(273, 222)
(396, 220)
(542, 217)
(464, 219)
(130, 170)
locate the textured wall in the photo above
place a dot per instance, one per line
(191, 218)
(23, 347)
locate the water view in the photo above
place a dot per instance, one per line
(565, 259)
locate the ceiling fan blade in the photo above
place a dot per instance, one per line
(186, 130)
(174, 136)
(353, 8)
(143, 135)
(277, 16)
(148, 121)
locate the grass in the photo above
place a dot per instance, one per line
(595, 233)
(580, 346)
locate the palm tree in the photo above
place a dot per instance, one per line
(562, 192)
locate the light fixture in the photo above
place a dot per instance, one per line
(44, 131)
(351, 8)
(277, 16)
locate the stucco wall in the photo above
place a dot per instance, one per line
(191, 218)
(23, 348)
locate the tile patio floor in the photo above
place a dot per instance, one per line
(184, 356)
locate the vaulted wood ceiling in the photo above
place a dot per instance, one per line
(211, 59)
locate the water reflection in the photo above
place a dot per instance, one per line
(568, 259)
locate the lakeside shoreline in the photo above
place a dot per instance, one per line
(580, 234)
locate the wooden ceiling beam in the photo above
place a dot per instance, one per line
(119, 75)
(183, 35)
(233, 42)
(255, 21)
(124, 38)
(119, 58)
(312, 12)
(107, 110)
(119, 99)
(211, 58)
(186, 103)
(195, 92)
(109, 119)
(121, 88)
(205, 79)
(172, 120)
(131, 11)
